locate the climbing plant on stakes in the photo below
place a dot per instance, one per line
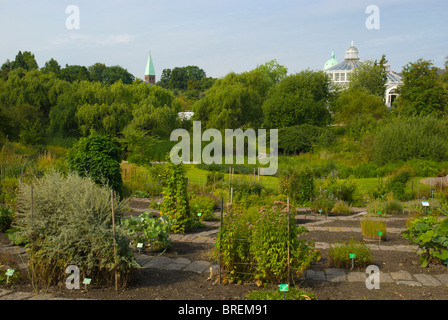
(175, 198)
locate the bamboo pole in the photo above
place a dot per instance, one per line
(115, 242)
(220, 237)
(32, 203)
(289, 266)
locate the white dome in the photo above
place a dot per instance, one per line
(351, 53)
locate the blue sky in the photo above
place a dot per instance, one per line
(221, 36)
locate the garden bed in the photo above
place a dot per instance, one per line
(157, 284)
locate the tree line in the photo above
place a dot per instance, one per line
(76, 101)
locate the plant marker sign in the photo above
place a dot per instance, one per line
(8, 274)
(139, 246)
(352, 256)
(199, 214)
(380, 234)
(86, 281)
(283, 288)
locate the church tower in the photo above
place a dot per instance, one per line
(150, 75)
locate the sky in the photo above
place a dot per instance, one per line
(222, 36)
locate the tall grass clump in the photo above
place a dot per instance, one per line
(70, 223)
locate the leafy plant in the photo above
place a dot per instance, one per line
(341, 208)
(431, 237)
(324, 201)
(339, 254)
(72, 224)
(203, 207)
(297, 184)
(152, 232)
(253, 244)
(6, 217)
(175, 199)
(98, 158)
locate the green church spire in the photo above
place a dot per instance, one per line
(150, 67)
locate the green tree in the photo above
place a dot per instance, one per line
(273, 70)
(298, 99)
(105, 119)
(422, 92)
(51, 66)
(96, 72)
(116, 73)
(371, 76)
(30, 60)
(19, 62)
(356, 101)
(6, 67)
(164, 81)
(179, 78)
(233, 101)
(99, 158)
(74, 73)
(415, 137)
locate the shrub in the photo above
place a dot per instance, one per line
(213, 177)
(242, 188)
(384, 207)
(72, 225)
(253, 244)
(203, 207)
(6, 217)
(342, 189)
(8, 191)
(152, 232)
(175, 198)
(371, 226)
(340, 207)
(303, 138)
(411, 138)
(324, 201)
(432, 239)
(297, 184)
(98, 158)
(339, 254)
(397, 185)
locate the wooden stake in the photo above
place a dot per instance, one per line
(289, 270)
(220, 236)
(32, 203)
(115, 243)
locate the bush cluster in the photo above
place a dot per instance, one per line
(339, 254)
(297, 184)
(71, 224)
(253, 244)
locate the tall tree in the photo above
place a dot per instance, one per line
(116, 73)
(96, 72)
(300, 98)
(273, 70)
(30, 61)
(233, 101)
(372, 76)
(74, 73)
(51, 66)
(422, 92)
